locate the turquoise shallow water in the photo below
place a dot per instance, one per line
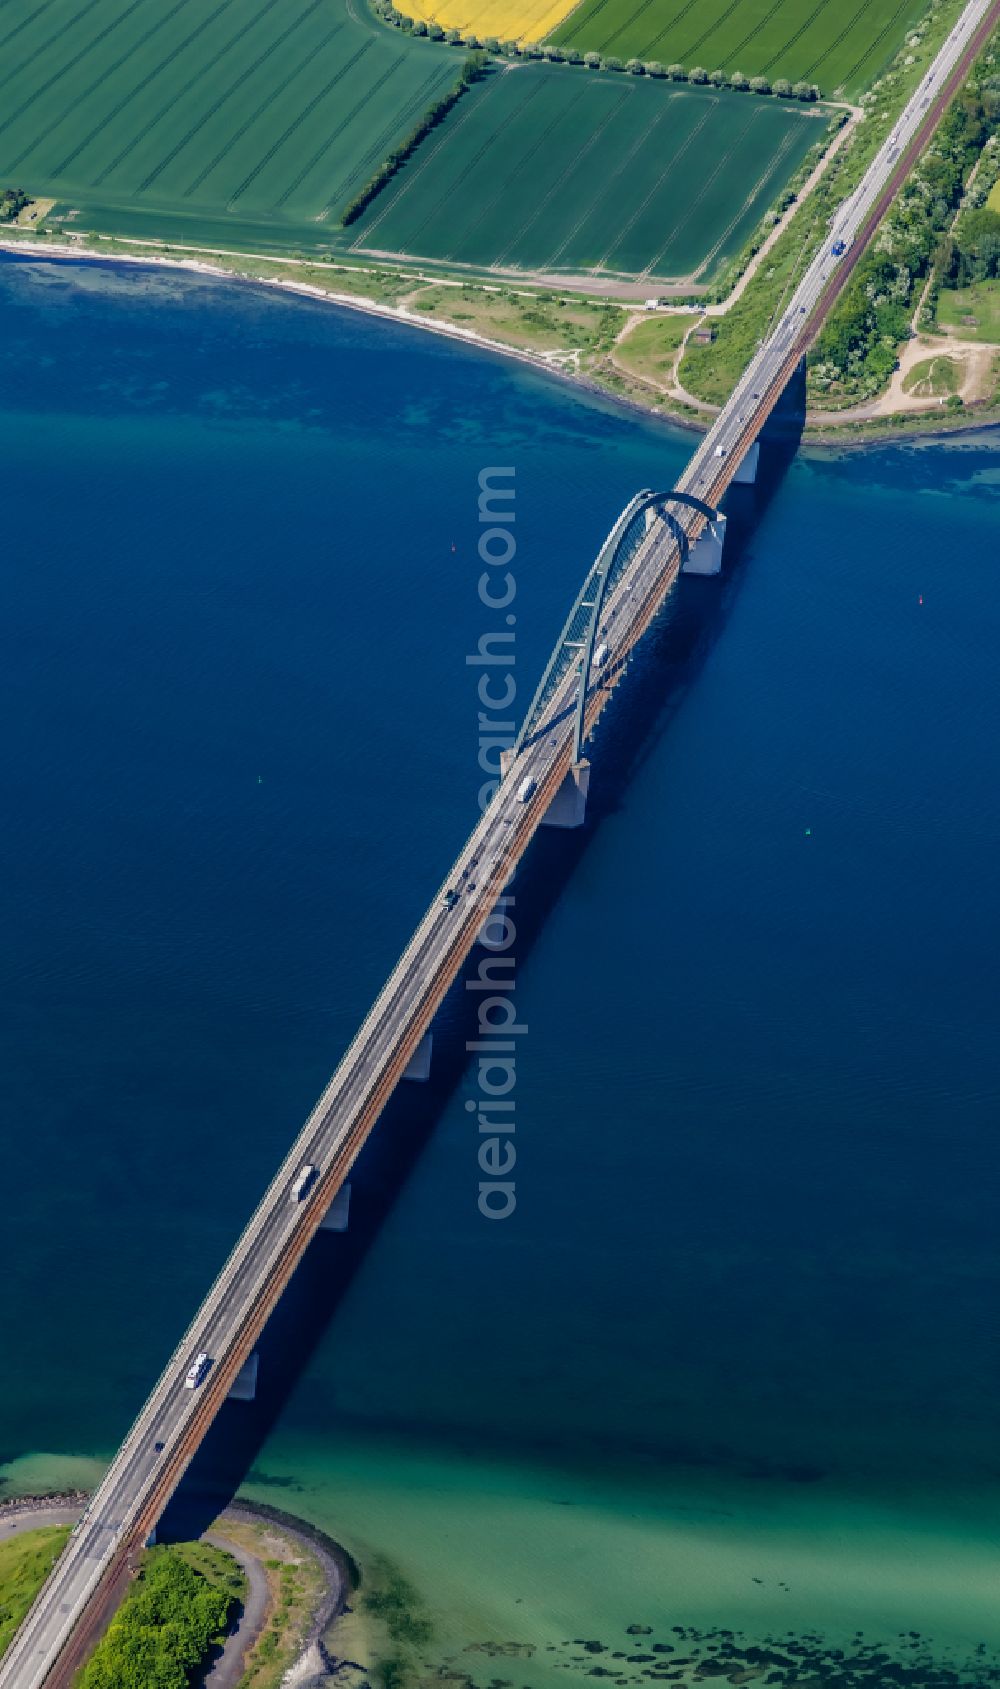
(743, 1322)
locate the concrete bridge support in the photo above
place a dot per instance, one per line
(244, 1387)
(746, 474)
(419, 1065)
(338, 1213)
(705, 556)
(569, 806)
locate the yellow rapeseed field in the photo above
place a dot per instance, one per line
(508, 20)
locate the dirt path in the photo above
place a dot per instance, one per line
(15, 1521)
(671, 387)
(229, 1667)
(975, 359)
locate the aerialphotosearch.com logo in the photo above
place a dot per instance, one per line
(495, 1048)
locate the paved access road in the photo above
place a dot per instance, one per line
(88, 1579)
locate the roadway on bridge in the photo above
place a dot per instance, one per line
(89, 1576)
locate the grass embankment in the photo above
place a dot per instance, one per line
(543, 323)
(297, 1584)
(649, 350)
(175, 1615)
(25, 1562)
(710, 372)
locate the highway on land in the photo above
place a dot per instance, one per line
(89, 1576)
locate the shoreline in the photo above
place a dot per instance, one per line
(828, 437)
(350, 301)
(340, 1574)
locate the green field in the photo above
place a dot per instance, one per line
(839, 44)
(549, 169)
(972, 312)
(218, 120)
(934, 378)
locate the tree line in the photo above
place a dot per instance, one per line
(167, 1629)
(12, 202)
(551, 53)
(471, 70)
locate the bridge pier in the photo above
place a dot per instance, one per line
(244, 1385)
(705, 556)
(419, 1065)
(338, 1212)
(569, 806)
(746, 474)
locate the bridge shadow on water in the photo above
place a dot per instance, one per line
(661, 674)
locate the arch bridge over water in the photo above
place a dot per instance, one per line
(655, 536)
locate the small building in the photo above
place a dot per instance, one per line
(704, 334)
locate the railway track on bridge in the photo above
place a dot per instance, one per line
(87, 1580)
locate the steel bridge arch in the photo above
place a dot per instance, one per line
(579, 632)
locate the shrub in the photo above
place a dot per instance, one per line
(472, 70)
(804, 91)
(453, 37)
(531, 50)
(740, 82)
(473, 43)
(435, 32)
(635, 67)
(718, 79)
(783, 88)
(759, 85)
(419, 27)
(491, 44)
(654, 68)
(677, 73)
(592, 61)
(613, 64)
(553, 53)
(511, 49)
(167, 1627)
(572, 57)
(698, 74)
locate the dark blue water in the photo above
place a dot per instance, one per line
(239, 585)
(757, 1104)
